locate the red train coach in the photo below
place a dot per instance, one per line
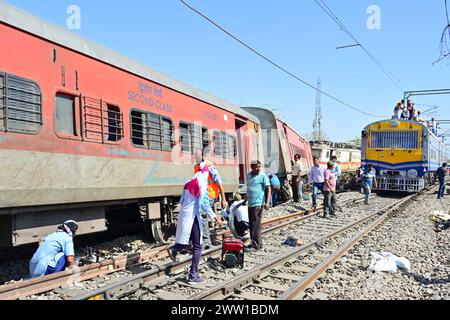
(281, 143)
(84, 129)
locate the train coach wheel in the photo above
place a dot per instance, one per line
(159, 232)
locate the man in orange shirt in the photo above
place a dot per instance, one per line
(215, 188)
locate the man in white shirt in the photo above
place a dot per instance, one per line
(297, 185)
(237, 215)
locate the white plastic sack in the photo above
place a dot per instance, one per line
(387, 262)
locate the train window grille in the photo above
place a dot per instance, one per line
(159, 132)
(20, 105)
(225, 145)
(101, 122)
(398, 139)
(185, 137)
(152, 131)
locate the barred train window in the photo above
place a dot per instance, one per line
(151, 130)
(224, 145)
(194, 137)
(20, 105)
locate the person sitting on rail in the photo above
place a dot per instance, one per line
(275, 184)
(194, 197)
(237, 216)
(215, 186)
(55, 252)
(317, 178)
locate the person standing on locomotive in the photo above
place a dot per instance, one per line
(55, 252)
(369, 180)
(297, 186)
(215, 187)
(258, 186)
(441, 174)
(193, 199)
(317, 177)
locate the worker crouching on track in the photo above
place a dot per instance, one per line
(237, 215)
(55, 252)
(194, 198)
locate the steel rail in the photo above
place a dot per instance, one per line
(315, 273)
(47, 283)
(127, 284)
(227, 288)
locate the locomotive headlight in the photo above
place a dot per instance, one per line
(412, 174)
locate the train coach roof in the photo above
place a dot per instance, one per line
(23, 20)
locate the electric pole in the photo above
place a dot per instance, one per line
(317, 125)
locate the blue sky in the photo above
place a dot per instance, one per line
(297, 34)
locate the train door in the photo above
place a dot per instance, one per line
(241, 147)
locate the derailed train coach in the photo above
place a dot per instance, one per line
(281, 143)
(405, 154)
(85, 131)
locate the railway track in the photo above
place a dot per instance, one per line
(276, 272)
(142, 260)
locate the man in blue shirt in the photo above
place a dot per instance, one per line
(369, 181)
(55, 252)
(258, 195)
(275, 186)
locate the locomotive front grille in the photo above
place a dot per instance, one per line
(400, 184)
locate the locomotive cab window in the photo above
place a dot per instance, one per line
(65, 114)
(20, 105)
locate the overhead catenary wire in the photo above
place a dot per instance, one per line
(394, 79)
(276, 64)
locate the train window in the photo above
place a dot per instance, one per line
(115, 123)
(137, 127)
(160, 132)
(185, 137)
(65, 114)
(217, 139)
(232, 147)
(205, 140)
(20, 105)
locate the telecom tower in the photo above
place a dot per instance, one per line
(317, 125)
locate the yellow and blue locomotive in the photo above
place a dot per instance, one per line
(406, 154)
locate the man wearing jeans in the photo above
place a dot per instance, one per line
(441, 174)
(317, 177)
(258, 196)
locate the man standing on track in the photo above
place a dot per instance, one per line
(329, 191)
(194, 199)
(369, 180)
(441, 174)
(317, 177)
(215, 187)
(296, 179)
(258, 193)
